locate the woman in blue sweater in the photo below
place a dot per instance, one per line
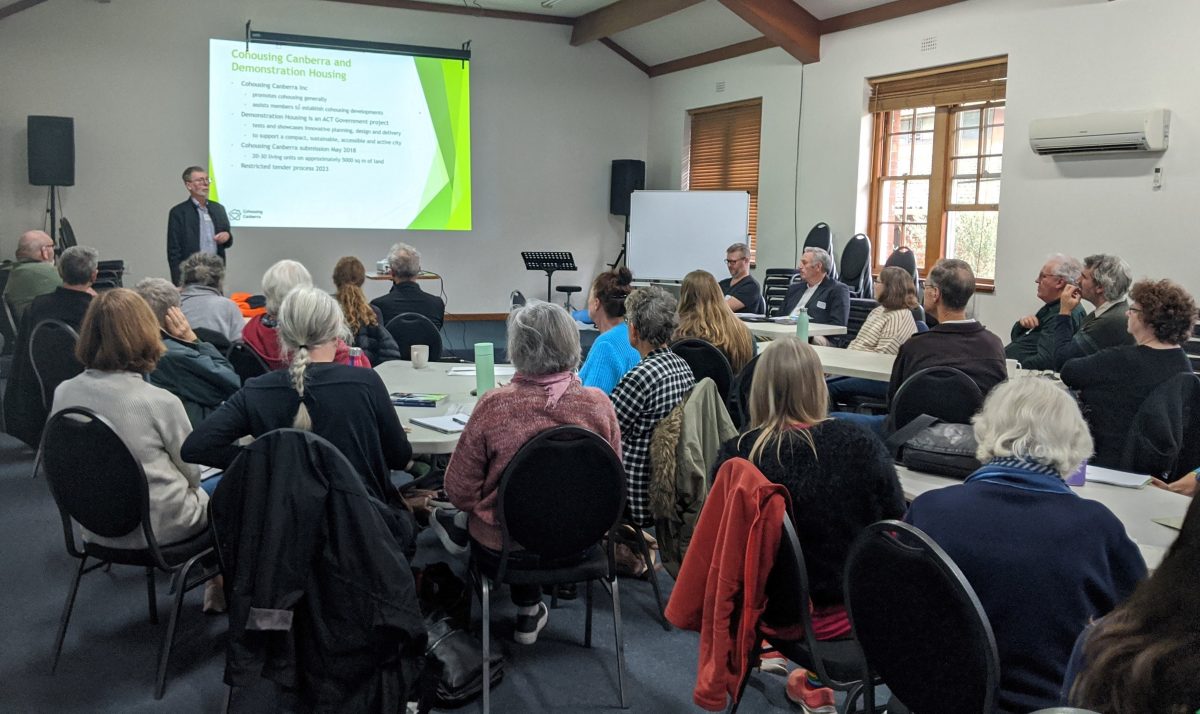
(1043, 561)
(611, 355)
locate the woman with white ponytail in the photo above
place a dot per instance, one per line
(346, 405)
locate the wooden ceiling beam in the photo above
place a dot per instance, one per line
(783, 22)
(880, 13)
(626, 54)
(623, 15)
(17, 7)
(461, 10)
(721, 53)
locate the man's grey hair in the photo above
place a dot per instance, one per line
(652, 312)
(542, 339)
(1031, 418)
(1066, 267)
(739, 248)
(954, 280)
(1111, 274)
(202, 269)
(31, 243)
(404, 260)
(822, 258)
(187, 173)
(77, 265)
(282, 278)
(160, 295)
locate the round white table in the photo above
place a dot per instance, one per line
(399, 376)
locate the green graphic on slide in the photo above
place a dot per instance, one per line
(212, 182)
(446, 200)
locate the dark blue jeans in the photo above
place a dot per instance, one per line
(842, 388)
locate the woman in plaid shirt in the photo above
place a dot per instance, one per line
(649, 391)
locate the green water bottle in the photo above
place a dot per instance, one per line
(802, 324)
(485, 368)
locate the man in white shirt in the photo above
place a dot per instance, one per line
(827, 300)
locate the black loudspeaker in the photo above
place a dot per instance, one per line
(51, 151)
(628, 175)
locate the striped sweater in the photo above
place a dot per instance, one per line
(885, 330)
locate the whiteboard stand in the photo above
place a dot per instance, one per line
(624, 246)
(549, 261)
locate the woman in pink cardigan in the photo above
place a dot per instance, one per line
(543, 344)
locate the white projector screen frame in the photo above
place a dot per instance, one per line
(672, 233)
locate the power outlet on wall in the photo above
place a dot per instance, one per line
(1157, 183)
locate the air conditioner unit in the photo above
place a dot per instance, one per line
(1110, 132)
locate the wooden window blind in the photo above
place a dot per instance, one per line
(979, 81)
(724, 153)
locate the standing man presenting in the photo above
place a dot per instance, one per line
(197, 225)
(742, 292)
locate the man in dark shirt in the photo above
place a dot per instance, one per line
(742, 292)
(1031, 341)
(406, 295)
(1103, 283)
(826, 298)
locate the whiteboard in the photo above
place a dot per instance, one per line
(672, 233)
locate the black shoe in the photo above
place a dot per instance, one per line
(451, 529)
(528, 626)
(564, 591)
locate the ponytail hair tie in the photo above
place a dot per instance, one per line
(301, 347)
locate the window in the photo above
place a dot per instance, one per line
(936, 160)
(723, 153)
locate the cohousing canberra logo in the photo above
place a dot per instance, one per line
(238, 214)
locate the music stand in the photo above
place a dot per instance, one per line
(549, 261)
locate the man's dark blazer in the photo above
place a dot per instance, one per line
(183, 233)
(830, 304)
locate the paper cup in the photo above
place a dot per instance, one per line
(420, 356)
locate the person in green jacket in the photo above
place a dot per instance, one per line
(34, 273)
(1033, 336)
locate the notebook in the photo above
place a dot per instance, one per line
(416, 399)
(1112, 477)
(449, 424)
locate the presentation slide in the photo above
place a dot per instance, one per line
(305, 137)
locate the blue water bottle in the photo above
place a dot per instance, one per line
(802, 324)
(485, 368)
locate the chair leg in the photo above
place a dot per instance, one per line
(179, 586)
(752, 662)
(485, 600)
(653, 575)
(616, 604)
(228, 699)
(150, 596)
(66, 616)
(587, 621)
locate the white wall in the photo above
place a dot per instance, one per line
(1065, 57)
(547, 118)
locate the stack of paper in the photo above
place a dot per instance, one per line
(1112, 477)
(468, 370)
(449, 424)
(416, 399)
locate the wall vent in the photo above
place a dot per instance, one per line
(929, 44)
(720, 86)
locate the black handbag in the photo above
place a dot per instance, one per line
(459, 657)
(931, 446)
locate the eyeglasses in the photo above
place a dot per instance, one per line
(735, 261)
(1133, 309)
(930, 286)
(1043, 276)
(203, 180)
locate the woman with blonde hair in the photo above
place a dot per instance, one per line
(839, 476)
(364, 321)
(703, 313)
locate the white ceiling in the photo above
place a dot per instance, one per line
(696, 29)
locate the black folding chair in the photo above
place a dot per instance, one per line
(775, 287)
(839, 663)
(821, 236)
(52, 354)
(860, 308)
(855, 269)
(560, 495)
(214, 338)
(739, 395)
(411, 328)
(706, 361)
(945, 393)
(919, 622)
(245, 361)
(903, 257)
(97, 483)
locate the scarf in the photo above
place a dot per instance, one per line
(555, 384)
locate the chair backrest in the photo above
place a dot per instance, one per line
(859, 309)
(561, 493)
(1192, 347)
(775, 286)
(214, 338)
(411, 328)
(855, 269)
(739, 395)
(706, 361)
(8, 324)
(94, 478)
(245, 361)
(821, 236)
(52, 354)
(912, 607)
(1164, 436)
(943, 392)
(903, 257)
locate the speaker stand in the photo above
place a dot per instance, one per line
(624, 246)
(53, 211)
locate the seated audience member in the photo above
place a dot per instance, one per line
(24, 413)
(1043, 561)
(543, 344)
(260, 333)
(742, 292)
(190, 369)
(703, 314)
(363, 320)
(885, 330)
(827, 300)
(611, 355)
(34, 273)
(649, 391)
(348, 406)
(119, 345)
(1104, 282)
(406, 295)
(840, 478)
(201, 299)
(1144, 656)
(1114, 382)
(1032, 341)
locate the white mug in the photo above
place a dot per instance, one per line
(1014, 367)
(420, 356)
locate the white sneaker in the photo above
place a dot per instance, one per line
(528, 626)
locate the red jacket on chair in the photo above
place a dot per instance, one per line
(720, 591)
